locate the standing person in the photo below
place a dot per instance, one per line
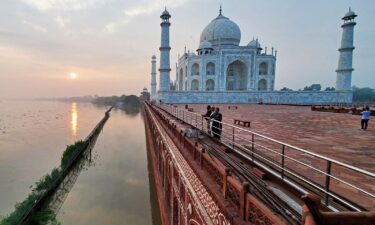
(207, 117)
(208, 112)
(216, 124)
(213, 111)
(220, 119)
(365, 118)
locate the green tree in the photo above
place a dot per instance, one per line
(285, 89)
(313, 87)
(132, 100)
(363, 94)
(330, 89)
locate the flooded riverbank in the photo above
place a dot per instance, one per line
(114, 189)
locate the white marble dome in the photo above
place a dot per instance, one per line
(221, 31)
(205, 45)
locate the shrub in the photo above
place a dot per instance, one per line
(70, 152)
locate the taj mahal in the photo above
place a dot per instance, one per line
(223, 71)
(221, 64)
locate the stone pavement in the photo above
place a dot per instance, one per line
(334, 135)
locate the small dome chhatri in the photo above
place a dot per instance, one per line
(221, 31)
(349, 15)
(205, 45)
(165, 15)
(254, 43)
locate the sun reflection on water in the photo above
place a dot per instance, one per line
(74, 119)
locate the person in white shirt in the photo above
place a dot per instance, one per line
(365, 118)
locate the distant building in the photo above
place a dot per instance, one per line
(222, 71)
(145, 95)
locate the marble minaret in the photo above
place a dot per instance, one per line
(344, 70)
(165, 49)
(153, 78)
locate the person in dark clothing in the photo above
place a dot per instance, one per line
(212, 111)
(216, 123)
(208, 112)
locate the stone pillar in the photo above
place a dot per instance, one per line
(344, 71)
(165, 49)
(153, 78)
(202, 75)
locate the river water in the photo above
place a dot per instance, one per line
(114, 189)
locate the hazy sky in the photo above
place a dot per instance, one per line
(109, 43)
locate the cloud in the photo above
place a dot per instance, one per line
(153, 6)
(67, 5)
(110, 27)
(35, 26)
(61, 21)
(143, 8)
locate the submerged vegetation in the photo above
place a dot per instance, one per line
(110, 100)
(42, 217)
(129, 104)
(70, 153)
(45, 184)
(130, 100)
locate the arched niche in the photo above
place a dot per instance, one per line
(237, 76)
(194, 85)
(263, 68)
(210, 85)
(195, 69)
(181, 80)
(210, 68)
(262, 85)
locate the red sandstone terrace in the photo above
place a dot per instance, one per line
(334, 135)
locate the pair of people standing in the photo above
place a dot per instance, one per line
(214, 118)
(365, 117)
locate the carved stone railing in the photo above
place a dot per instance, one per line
(186, 198)
(232, 193)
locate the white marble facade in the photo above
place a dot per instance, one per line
(221, 64)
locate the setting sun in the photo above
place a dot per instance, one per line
(73, 76)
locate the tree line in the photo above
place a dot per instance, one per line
(130, 100)
(360, 95)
